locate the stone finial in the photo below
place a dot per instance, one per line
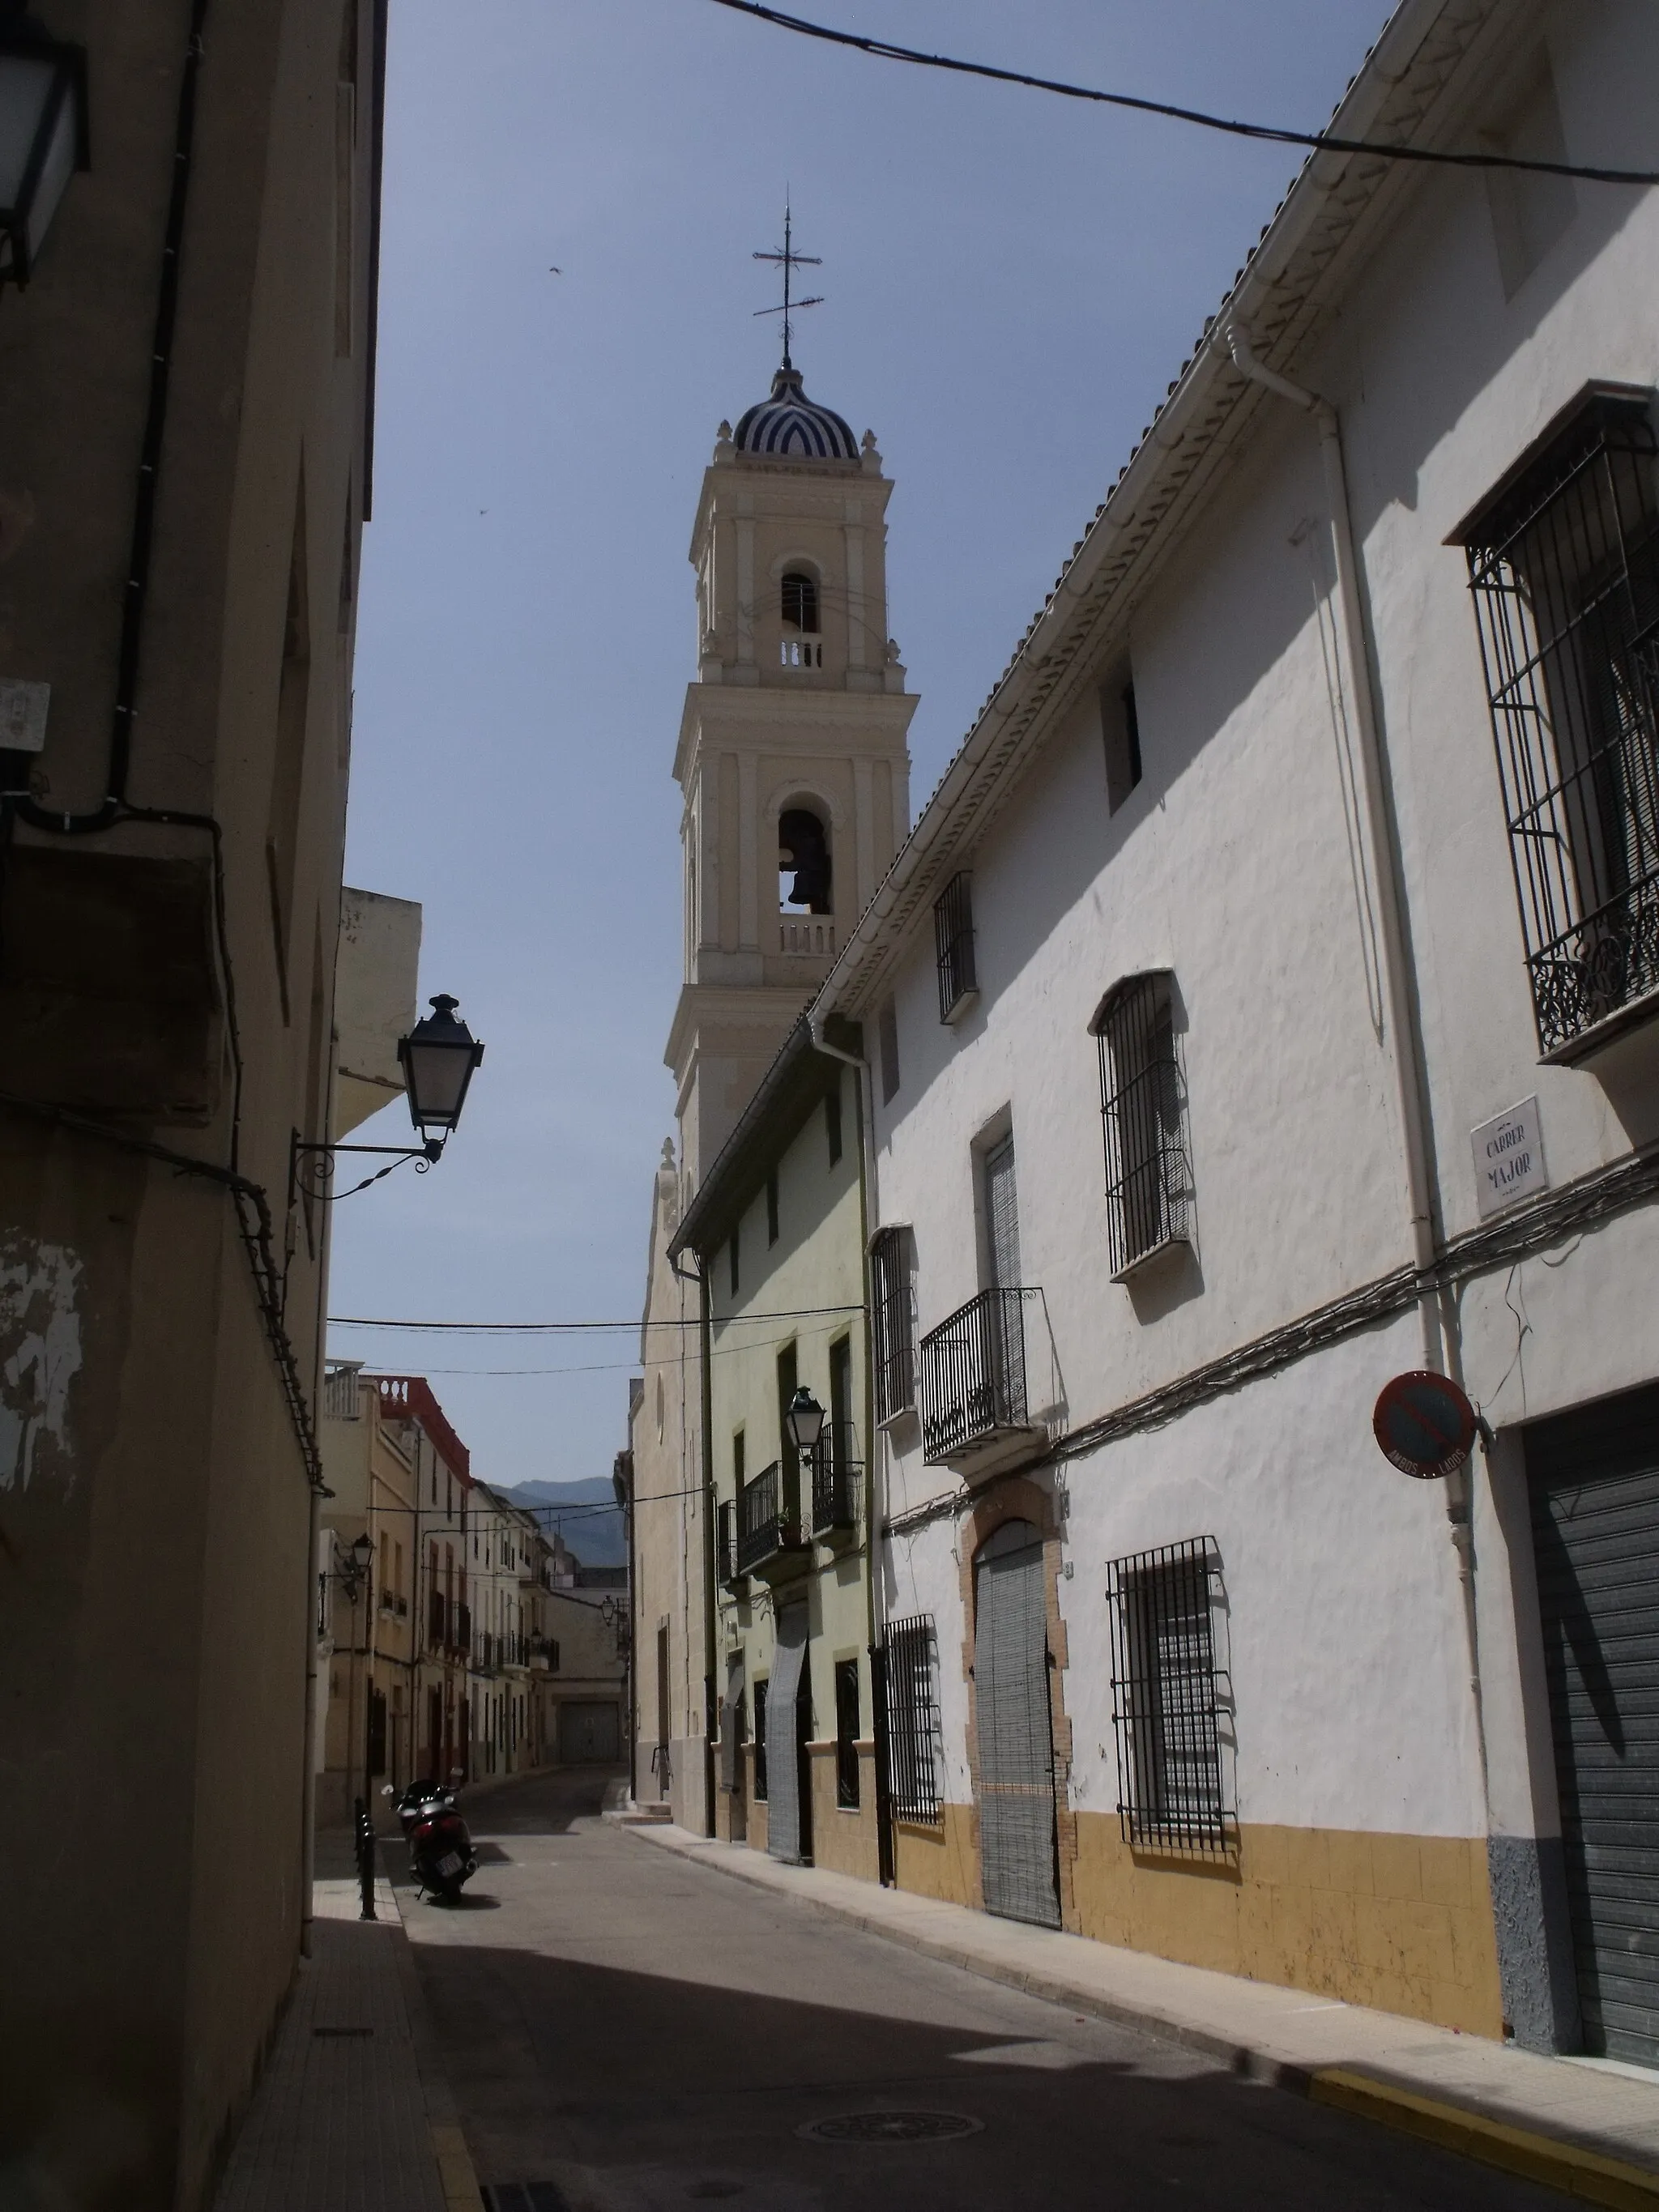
(892, 652)
(871, 462)
(668, 1159)
(724, 449)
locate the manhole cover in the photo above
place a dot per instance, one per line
(890, 2128)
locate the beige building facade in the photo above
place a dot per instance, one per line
(186, 383)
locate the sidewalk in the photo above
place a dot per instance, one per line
(1583, 2126)
(352, 2112)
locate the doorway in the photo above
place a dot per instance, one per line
(1017, 1827)
(1592, 1477)
(659, 1756)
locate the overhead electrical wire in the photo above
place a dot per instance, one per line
(1319, 141)
(564, 1328)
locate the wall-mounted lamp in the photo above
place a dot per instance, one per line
(355, 1564)
(43, 134)
(804, 1422)
(437, 1058)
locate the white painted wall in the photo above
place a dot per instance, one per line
(1237, 863)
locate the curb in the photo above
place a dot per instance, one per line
(1550, 2160)
(1585, 2174)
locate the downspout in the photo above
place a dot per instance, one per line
(308, 1778)
(705, 1337)
(867, 1207)
(1382, 833)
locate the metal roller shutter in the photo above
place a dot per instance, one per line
(1594, 1477)
(783, 1838)
(1016, 1747)
(588, 1734)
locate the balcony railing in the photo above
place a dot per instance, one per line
(805, 935)
(836, 1479)
(801, 652)
(765, 1524)
(973, 1376)
(726, 1544)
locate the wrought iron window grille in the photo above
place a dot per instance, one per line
(893, 1326)
(972, 1375)
(953, 941)
(846, 1734)
(726, 1544)
(1149, 1177)
(1168, 1696)
(1563, 567)
(911, 1666)
(760, 1742)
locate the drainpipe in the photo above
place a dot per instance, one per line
(867, 1207)
(308, 1779)
(1380, 827)
(1383, 836)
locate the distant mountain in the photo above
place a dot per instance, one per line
(586, 1514)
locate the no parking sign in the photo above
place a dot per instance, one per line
(1424, 1425)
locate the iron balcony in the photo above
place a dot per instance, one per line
(768, 1539)
(972, 1381)
(835, 1478)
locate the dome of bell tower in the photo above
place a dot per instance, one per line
(788, 426)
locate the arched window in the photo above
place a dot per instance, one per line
(802, 862)
(801, 602)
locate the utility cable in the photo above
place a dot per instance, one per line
(558, 1328)
(1319, 141)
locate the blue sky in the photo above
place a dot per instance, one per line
(1010, 282)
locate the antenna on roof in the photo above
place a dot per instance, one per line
(789, 261)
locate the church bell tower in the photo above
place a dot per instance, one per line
(792, 751)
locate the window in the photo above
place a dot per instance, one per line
(801, 602)
(1120, 726)
(846, 1735)
(893, 1324)
(832, 1122)
(1165, 1697)
(804, 880)
(732, 1252)
(1148, 1177)
(1563, 563)
(772, 1207)
(760, 1741)
(887, 1042)
(953, 941)
(910, 1688)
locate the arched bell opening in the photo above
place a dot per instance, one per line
(803, 871)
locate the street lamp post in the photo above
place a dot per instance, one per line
(437, 1058)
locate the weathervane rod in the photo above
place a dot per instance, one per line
(789, 261)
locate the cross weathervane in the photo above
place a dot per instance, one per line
(789, 261)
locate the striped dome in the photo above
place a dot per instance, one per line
(791, 427)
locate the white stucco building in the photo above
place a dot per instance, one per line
(1312, 829)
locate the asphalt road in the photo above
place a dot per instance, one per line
(636, 2033)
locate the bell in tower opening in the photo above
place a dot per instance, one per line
(803, 862)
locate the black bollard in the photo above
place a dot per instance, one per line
(365, 1860)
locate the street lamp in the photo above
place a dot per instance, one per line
(354, 1565)
(804, 1422)
(43, 134)
(437, 1058)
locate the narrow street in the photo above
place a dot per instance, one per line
(633, 2034)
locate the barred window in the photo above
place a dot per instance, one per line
(893, 1326)
(1564, 563)
(953, 942)
(910, 1687)
(1148, 1176)
(846, 1735)
(760, 1742)
(1166, 1698)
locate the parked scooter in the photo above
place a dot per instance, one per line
(440, 1853)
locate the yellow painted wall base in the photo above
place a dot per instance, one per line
(844, 1838)
(1401, 1922)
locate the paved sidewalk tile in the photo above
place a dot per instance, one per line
(340, 2121)
(1273, 2033)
